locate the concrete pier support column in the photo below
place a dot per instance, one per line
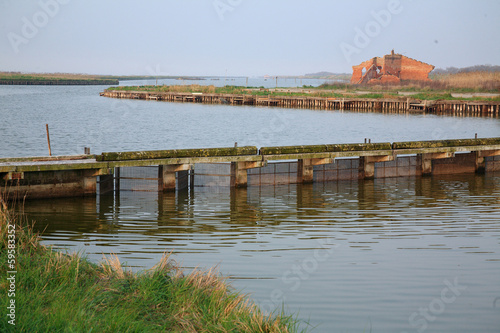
(305, 168)
(89, 183)
(167, 176)
(239, 174)
(426, 161)
(481, 161)
(89, 180)
(305, 171)
(367, 164)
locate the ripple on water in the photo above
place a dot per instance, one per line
(335, 257)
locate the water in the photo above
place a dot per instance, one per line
(391, 255)
(347, 256)
(78, 117)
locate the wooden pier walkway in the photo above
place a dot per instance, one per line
(456, 107)
(83, 175)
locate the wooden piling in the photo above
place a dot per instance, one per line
(48, 138)
(483, 108)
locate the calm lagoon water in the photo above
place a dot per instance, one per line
(78, 117)
(392, 255)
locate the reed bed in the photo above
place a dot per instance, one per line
(57, 292)
(477, 81)
(446, 83)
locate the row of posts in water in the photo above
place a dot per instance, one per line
(462, 108)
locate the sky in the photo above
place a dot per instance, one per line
(241, 37)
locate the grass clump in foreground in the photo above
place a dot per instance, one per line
(56, 292)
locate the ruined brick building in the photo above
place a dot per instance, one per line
(392, 68)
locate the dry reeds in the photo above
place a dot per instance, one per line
(112, 266)
(489, 81)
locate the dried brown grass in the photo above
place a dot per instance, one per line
(112, 266)
(467, 81)
(472, 80)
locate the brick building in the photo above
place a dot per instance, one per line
(392, 68)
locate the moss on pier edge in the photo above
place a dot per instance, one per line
(66, 293)
(324, 148)
(177, 153)
(446, 143)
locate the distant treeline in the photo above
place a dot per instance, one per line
(477, 68)
(17, 78)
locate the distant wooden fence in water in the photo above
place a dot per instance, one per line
(456, 107)
(171, 170)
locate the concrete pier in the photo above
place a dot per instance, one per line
(172, 177)
(367, 164)
(239, 172)
(174, 170)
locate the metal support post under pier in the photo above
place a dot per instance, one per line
(106, 184)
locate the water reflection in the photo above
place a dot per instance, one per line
(387, 244)
(387, 208)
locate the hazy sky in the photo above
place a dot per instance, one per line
(241, 37)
